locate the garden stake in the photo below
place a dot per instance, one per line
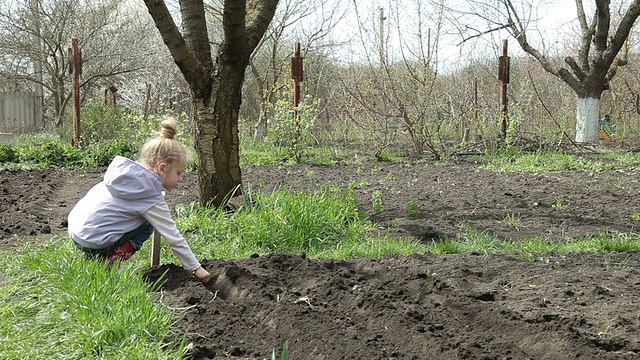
(155, 249)
(155, 246)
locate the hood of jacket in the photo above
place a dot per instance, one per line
(131, 180)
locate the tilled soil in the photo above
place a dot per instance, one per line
(468, 306)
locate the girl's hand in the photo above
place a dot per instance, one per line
(202, 274)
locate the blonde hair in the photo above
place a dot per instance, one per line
(164, 148)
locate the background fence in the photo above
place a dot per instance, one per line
(20, 112)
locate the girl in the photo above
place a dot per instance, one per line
(118, 215)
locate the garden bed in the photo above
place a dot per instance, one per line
(458, 306)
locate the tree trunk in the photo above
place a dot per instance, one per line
(216, 120)
(260, 130)
(216, 86)
(217, 146)
(587, 116)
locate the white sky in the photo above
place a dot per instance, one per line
(555, 18)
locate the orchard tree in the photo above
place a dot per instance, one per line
(395, 92)
(216, 82)
(589, 71)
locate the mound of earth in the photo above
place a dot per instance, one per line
(470, 306)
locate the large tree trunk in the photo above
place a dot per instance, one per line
(587, 116)
(217, 140)
(216, 86)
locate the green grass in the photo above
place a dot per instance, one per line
(486, 243)
(315, 223)
(55, 304)
(542, 162)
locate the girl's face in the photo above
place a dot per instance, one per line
(171, 174)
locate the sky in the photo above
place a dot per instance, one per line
(401, 29)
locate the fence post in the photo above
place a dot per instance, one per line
(75, 68)
(297, 76)
(503, 76)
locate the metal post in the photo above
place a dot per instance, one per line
(503, 76)
(39, 116)
(75, 68)
(297, 73)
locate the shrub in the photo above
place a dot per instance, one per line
(292, 127)
(102, 153)
(51, 153)
(7, 154)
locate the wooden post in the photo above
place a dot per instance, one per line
(155, 249)
(75, 69)
(503, 76)
(156, 246)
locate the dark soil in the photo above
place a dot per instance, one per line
(470, 306)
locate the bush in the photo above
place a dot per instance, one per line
(293, 127)
(7, 154)
(106, 132)
(51, 153)
(101, 154)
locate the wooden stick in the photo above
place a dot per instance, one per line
(156, 246)
(155, 249)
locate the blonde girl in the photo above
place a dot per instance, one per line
(114, 219)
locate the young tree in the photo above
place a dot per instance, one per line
(215, 84)
(394, 93)
(591, 69)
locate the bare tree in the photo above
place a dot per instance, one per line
(37, 33)
(215, 83)
(596, 62)
(395, 92)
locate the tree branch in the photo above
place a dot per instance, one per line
(235, 37)
(192, 70)
(603, 16)
(576, 68)
(194, 27)
(258, 21)
(479, 34)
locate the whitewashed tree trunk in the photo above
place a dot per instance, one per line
(587, 115)
(260, 130)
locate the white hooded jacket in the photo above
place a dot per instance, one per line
(129, 195)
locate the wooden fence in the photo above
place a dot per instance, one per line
(20, 113)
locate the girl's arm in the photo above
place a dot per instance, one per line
(160, 218)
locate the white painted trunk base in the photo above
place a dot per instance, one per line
(587, 116)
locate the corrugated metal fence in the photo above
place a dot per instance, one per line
(20, 112)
